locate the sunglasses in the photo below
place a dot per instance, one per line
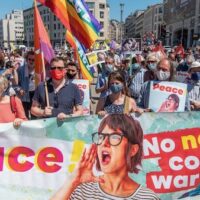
(31, 60)
(59, 68)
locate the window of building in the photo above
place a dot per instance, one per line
(54, 35)
(102, 24)
(102, 6)
(91, 4)
(58, 26)
(160, 10)
(101, 14)
(54, 18)
(54, 26)
(101, 34)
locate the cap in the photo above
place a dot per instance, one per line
(195, 64)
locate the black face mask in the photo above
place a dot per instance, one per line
(70, 76)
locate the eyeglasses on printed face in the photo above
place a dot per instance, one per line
(114, 139)
(59, 68)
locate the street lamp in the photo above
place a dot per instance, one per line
(122, 11)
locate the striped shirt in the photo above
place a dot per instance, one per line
(136, 83)
(92, 191)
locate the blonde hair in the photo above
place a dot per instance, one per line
(3, 84)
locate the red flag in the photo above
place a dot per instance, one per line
(41, 44)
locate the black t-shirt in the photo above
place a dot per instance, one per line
(62, 101)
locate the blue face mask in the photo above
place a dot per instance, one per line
(135, 66)
(152, 66)
(109, 67)
(115, 88)
(195, 76)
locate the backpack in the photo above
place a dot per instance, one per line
(13, 104)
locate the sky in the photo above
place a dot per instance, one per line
(129, 6)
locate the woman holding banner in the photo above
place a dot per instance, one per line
(117, 150)
(118, 101)
(11, 109)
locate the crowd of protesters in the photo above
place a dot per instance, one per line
(123, 83)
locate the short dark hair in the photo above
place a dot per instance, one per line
(57, 59)
(133, 132)
(72, 64)
(30, 53)
(175, 98)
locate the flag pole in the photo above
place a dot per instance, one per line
(44, 79)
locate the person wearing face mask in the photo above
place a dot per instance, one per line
(72, 71)
(163, 72)
(118, 101)
(182, 69)
(102, 79)
(194, 86)
(151, 64)
(136, 78)
(64, 97)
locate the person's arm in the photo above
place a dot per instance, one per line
(20, 114)
(82, 174)
(100, 105)
(101, 84)
(195, 105)
(15, 79)
(78, 111)
(133, 107)
(39, 112)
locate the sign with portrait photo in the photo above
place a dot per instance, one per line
(167, 96)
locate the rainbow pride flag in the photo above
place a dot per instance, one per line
(76, 17)
(42, 44)
(83, 62)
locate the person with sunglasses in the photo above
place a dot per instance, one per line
(64, 96)
(116, 151)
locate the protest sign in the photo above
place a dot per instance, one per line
(36, 158)
(167, 96)
(96, 57)
(84, 88)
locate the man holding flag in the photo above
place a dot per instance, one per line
(55, 97)
(64, 97)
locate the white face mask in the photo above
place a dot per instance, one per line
(162, 76)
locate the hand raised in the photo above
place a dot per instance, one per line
(83, 172)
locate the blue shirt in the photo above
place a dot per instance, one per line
(62, 101)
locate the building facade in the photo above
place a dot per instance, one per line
(153, 20)
(158, 21)
(139, 32)
(130, 24)
(101, 10)
(115, 30)
(56, 30)
(12, 29)
(182, 20)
